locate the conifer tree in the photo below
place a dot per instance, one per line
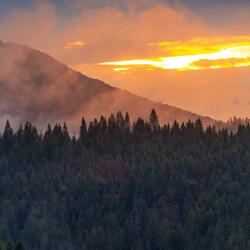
(83, 131)
(120, 119)
(8, 137)
(127, 121)
(154, 121)
(8, 131)
(66, 136)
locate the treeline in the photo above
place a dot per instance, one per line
(125, 186)
(232, 124)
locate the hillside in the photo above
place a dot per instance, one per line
(36, 87)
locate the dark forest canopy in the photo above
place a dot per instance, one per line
(125, 186)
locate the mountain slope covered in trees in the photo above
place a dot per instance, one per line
(125, 186)
(36, 87)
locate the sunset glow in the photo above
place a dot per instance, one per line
(75, 44)
(197, 54)
(120, 69)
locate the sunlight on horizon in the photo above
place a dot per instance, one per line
(196, 54)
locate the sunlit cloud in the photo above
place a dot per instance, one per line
(120, 69)
(76, 44)
(222, 63)
(200, 45)
(195, 54)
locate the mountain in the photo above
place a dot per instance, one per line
(36, 87)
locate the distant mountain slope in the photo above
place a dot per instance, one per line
(36, 87)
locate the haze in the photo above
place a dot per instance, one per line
(190, 54)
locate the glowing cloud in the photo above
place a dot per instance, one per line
(196, 54)
(120, 69)
(75, 44)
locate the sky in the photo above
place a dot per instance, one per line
(194, 54)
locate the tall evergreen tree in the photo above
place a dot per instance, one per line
(127, 121)
(154, 121)
(65, 133)
(8, 136)
(120, 120)
(83, 131)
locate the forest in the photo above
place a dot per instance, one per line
(124, 184)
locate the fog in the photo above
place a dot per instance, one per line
(37, 88)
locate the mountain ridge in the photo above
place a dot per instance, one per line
(48, 91)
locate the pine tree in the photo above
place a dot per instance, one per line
(198, 126)
(19, 133)
(154, 121)
(175, 130)
(48, 133)
(8, 137)
(8, 131)
(103, 124)
(120, 120)
(66, 136)
(30, 134)
(83, 131)
(127, 121)
(111, 123)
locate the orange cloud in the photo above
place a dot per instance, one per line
(185, 55)
(120, 69)
(76, 44)
(222, 63)
(30, 27)
(201, 45)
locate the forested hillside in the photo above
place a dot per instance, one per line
(125, 186)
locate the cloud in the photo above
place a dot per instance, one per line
(201, 45)
(111, 33)
(228, 17)
(76, 44)
(221, 63)
(31, 27)
(124, 5)
(215, 52)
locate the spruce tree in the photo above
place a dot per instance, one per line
(154, 121)
(127, 120)
(8, 137)
(83, 131)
